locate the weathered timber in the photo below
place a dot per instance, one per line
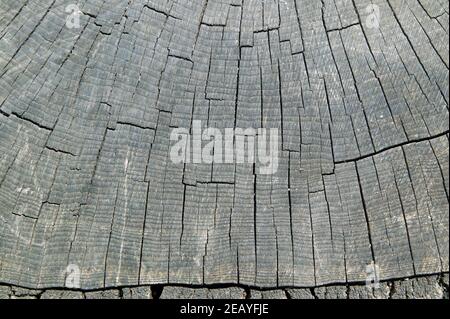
(87, 186)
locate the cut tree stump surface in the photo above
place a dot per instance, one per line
(427, 287)
(358, 90)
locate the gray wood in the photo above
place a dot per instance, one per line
(86, 114)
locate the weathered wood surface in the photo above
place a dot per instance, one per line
(427, 287)
(85, 118)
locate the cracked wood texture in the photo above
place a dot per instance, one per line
(86, 114)
(426, 287)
